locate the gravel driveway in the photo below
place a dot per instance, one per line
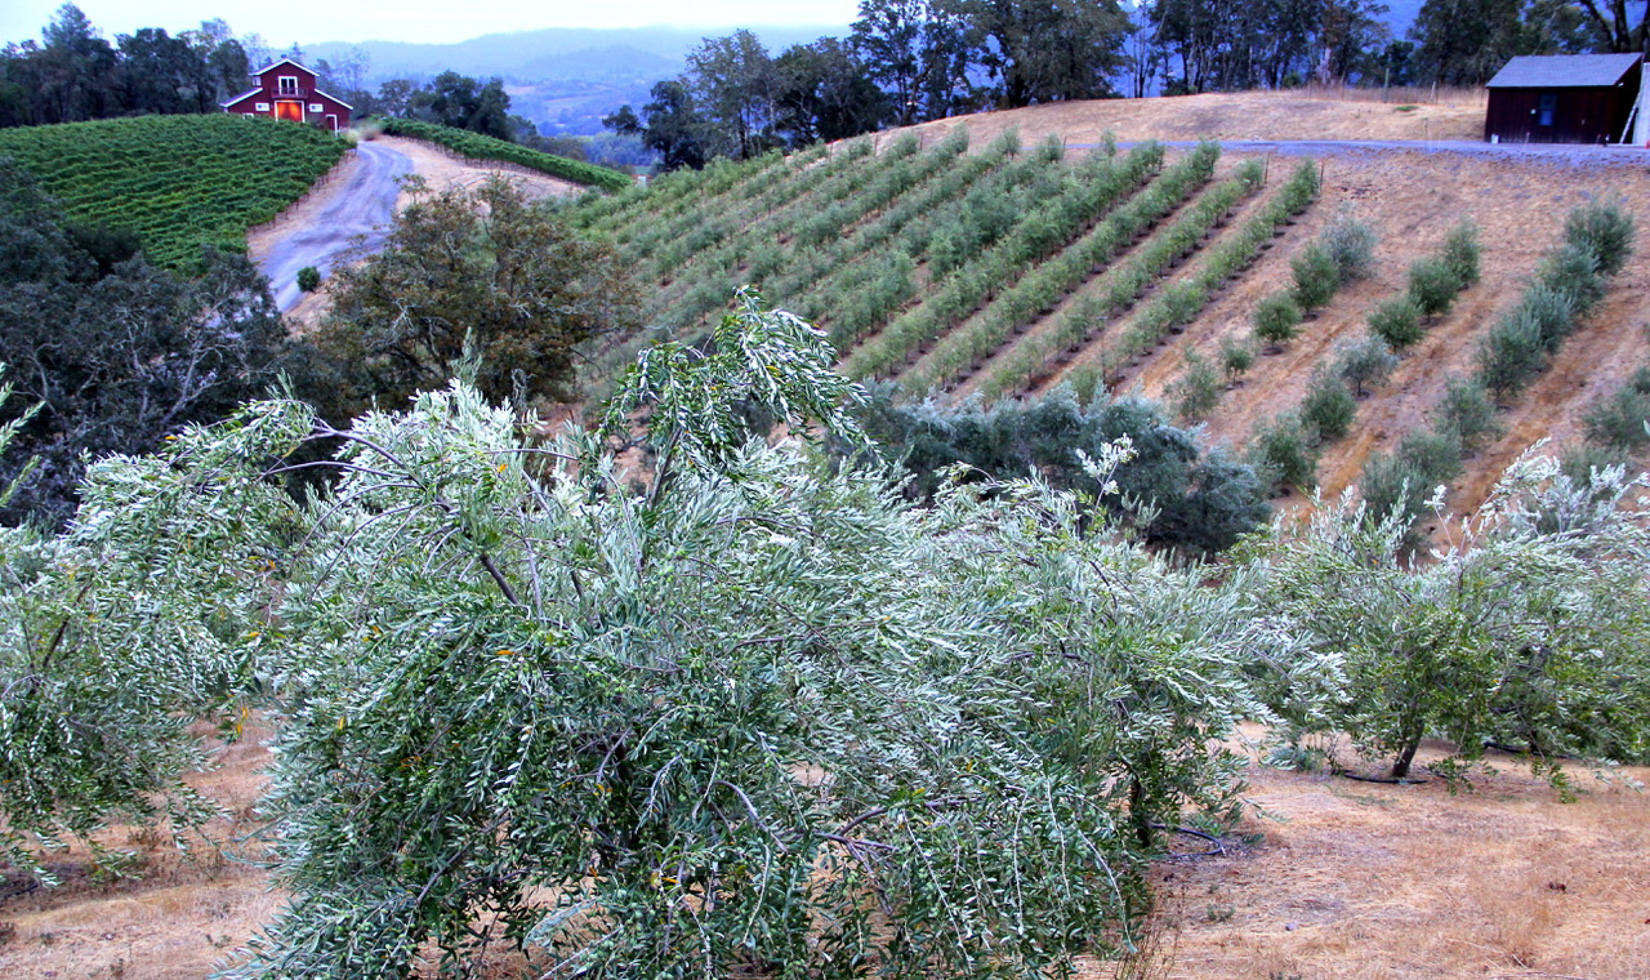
(358, 214)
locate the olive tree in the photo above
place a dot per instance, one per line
(761, 714)
(119, 632)
(1530, 630)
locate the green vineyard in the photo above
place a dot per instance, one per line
(476, 146)
(945, 269)
(178, 182)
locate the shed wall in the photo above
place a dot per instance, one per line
(1580, 115)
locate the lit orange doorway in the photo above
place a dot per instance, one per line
(290, 110)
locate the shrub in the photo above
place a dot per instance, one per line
(1368, 362)
(1511, 353)
(1328, 409)
(1316, 277)
(1502, 638)
(1169, 491)
(1580, 463)
(1397, 321)
(1276, 319)
(1433, 285)
(1197, 391)
(1237, 356)
(1351, 246)
(1604, 231)
(1400, 483)
(1551, 312)
(1573, 272)
(309, 279)
(1460, 254)
(1283, 456)
(1617, 421)
(1468, 413)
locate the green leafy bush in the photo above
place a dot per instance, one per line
(1197, 391)
(1366, 363)
(1237, 356)
(1573, 273)
(1276, 319)
(1328, 409)
(1617, 421)
(309, 279)
(1316, 276)
(1523, 633)
(583, 712)
(1351, 246)
(1603, 230)
(1433, 283)
(1397, 485)
(1511, 354)
(125, 629)
(1284, 455)
(1170, 491)
(1397, 321)
(1460, 254)
(1468, 414)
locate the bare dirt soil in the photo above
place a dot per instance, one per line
(1283, 115)
(1345, 880)
(1326, 879)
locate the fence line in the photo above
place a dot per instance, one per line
(320, 184)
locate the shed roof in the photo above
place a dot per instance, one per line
(1564, 71)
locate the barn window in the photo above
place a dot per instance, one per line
(262, 106)
(249, 115)
(316, 107)
(1549, 109)
(288, 85)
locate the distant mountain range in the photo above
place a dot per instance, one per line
(564, 79)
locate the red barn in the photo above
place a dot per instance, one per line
(286, 90)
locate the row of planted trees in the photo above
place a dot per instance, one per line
(759, 712)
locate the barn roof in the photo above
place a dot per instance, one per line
(1564, 71)
(285, 61)
(242, 97)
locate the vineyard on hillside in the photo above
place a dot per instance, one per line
(945, 269)
(177, 182)
(1310, 329)
(476, 146)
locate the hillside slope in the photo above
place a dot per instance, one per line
(936, 269)
(178, 182)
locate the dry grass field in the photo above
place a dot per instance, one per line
(1327, 879)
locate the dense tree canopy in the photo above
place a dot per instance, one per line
(76, 75)
(495, 274)
(115, 353)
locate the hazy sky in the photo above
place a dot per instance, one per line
(310, 21)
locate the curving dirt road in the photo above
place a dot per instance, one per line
(355, 211)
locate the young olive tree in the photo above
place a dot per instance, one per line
(1530, 631)
(762, 715)
(119, 632)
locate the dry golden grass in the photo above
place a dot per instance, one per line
(1293, 114)
(1360, 881)
(1334, 880)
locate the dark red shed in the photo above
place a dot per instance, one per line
(1579, 98)
(286, 90)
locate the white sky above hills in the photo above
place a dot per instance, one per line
(419, 21)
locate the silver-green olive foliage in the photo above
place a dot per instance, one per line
(763, 716)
